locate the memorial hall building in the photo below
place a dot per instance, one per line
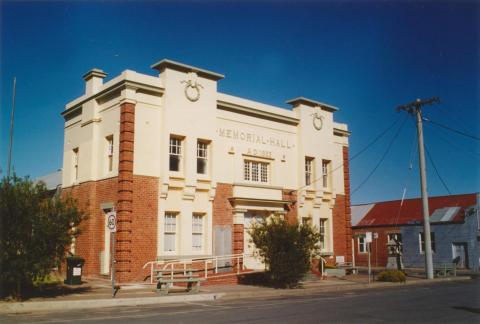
(189, 169)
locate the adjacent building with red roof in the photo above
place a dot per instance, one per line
(454, 223)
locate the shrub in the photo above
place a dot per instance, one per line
(286, 250)
(392, 276)
(35, 231)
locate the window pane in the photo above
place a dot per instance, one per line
(308, 171)
(254, 171)
(169, 242)
(201, 166)
(197, 242)
(202, 150)
(246, 170)
(264, 172)
(325, 172)
(174, 163)
(175, 151)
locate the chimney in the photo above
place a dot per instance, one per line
(93, 81)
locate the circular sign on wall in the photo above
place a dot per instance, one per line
(112, 221)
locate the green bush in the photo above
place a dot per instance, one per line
(391, 276)
(35, 231)
(286, 250)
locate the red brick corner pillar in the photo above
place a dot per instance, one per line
(238, 233)
(348, 213)
(123, 247)
(291, 210)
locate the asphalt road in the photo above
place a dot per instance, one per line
(449, 302)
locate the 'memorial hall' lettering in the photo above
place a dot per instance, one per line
(253, 138)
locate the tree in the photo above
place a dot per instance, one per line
(35, 231)
(286, 249)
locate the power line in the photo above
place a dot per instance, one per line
(355, 155)
(475, 155)
(452, 129)
(382, 158)
(436, 170)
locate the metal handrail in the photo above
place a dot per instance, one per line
(323, 262)
(240, 258)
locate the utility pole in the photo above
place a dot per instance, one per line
(11, 129)
(415, 108)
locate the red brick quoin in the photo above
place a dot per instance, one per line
(342, 230)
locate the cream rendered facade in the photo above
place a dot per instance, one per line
(241, 137)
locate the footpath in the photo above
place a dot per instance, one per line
(97, 293)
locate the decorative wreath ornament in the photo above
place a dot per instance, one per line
(192, 87)
(317, 120)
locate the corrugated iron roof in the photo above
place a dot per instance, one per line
(52, 180)
(442, 209)
(359, 212)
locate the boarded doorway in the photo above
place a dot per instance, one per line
(222, 245)
(460, 251)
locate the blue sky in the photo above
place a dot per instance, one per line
(364, 57)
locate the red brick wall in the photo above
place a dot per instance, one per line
(379, 251)
(222, 209)
(342, 232)
(144, 225)
(89, 196)
(223, 213)
(291, 209)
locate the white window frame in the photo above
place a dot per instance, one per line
(325, 173)
(175, 148)
(309, 167)
(322, 230)
(362, 244)
(109, 152)
(256, 171)
(170, 228)
(198, 226)
(202, 154)
(421, 242)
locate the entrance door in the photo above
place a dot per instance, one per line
(252, 261)
(459, 250)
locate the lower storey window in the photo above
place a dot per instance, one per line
(421, 239)
(322, 231)
(170, 232)
(362, 244)
(197, 232)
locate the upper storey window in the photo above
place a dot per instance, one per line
(175, 153)
(325, 173)
(255, 171)
(109, 140)
(202, 157)
(308, 170)
(75, 156)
